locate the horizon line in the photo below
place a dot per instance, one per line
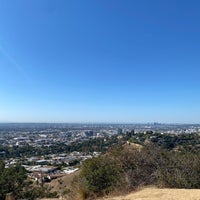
(128, 123)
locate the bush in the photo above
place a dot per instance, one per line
(101, 174)
(127, 168)
(78, 190)
(138, 165)
(179, 171)
(11, 179)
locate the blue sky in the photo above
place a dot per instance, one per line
(100, 61)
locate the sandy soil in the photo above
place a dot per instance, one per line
(160, 194)
(157, 194)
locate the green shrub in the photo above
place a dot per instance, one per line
(102, 174)
(127, 168)
(179, 170)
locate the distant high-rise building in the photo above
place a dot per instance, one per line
(119, 131)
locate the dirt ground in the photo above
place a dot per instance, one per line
(60, 184)
(160, 194)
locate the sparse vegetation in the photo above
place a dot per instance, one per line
(126, 168)
(14, 180)
(149, 158)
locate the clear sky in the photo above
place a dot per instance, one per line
(100, 61)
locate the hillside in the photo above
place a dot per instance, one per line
(59, 185)
(152, 193)
(160, 194)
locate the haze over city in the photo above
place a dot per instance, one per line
(100, 61)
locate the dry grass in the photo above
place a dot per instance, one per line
(160, 194)
(156, 194)
(60, 184)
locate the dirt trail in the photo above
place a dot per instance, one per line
(160, 194)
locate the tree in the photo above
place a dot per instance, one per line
(11, 179)
(102, 174)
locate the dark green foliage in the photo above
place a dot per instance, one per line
(11, 179)
(91, 145)
(187, 142)
(14, 180)
(2, 166)
(102, 174)
(128, 168)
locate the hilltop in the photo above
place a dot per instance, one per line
(153, 193)
(160, 194)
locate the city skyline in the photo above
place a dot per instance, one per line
(100, 61)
